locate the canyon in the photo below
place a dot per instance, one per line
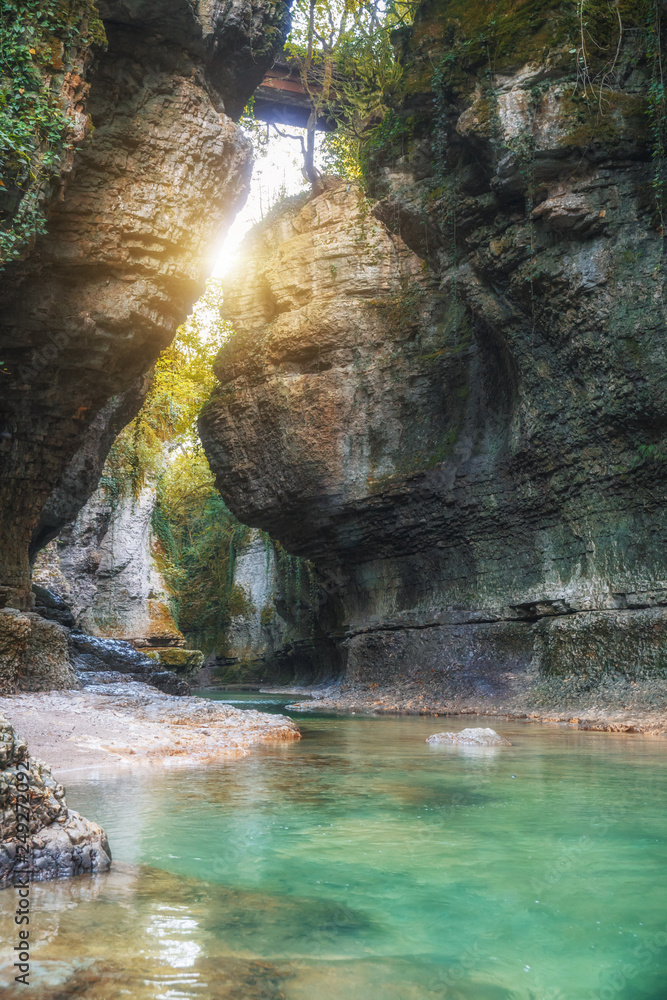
(451, 396)
(132, 219)
(443, 411)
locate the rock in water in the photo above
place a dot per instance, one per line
(477, 736)
(42, 839)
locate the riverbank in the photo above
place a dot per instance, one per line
(627, 708)
(132, 723)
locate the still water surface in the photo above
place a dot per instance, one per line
(362, 863)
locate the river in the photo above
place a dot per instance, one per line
(362, 863)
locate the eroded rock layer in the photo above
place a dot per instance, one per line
(40, 838)
(456, 405)
(83, 318)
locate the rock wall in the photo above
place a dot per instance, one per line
(40, 838)
(103, 567)
(129, 238)
(454, 400)
(258, 633)
(34, 653)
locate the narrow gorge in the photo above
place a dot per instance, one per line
(333, 400)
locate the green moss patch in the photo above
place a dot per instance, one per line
(39, 40)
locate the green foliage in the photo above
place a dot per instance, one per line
(348, 66)
(256, 130)
(199, 539)
(339, 155)
(35, 39)
(388, 139)
(182, 382)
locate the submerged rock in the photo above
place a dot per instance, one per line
(477, 736)
(40, 837)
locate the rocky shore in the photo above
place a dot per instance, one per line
(641, 712)
(103, 725)
(132, 723)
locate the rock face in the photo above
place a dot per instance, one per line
(299, 432)
(34, 654)
(40, 837)
(111, 661)
(471, 451)
(102, 565)
(84, 316)
(256, 634)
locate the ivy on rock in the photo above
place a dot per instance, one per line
(40, 43)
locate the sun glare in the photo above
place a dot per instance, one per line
(276, 174)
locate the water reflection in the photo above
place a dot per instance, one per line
(360, 863)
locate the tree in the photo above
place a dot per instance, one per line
(347, 66)
(182, 382)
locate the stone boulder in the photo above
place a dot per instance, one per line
(183, 661)
(91, 653)
(114, 661)
(42, 839)
(34, 653)
(169, 683)
(474, 737)
(52, 607)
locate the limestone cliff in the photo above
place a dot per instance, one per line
(131, 222)
(455, 403)
(254, 635)
(284, 629)
(102, 566)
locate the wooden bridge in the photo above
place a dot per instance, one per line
(282, 100)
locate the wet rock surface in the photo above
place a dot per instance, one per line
(92, 653)
(41, 838)
(39, 654)
(478, 737)
(111, 661)
(52, 607)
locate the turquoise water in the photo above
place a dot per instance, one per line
(363, 863)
